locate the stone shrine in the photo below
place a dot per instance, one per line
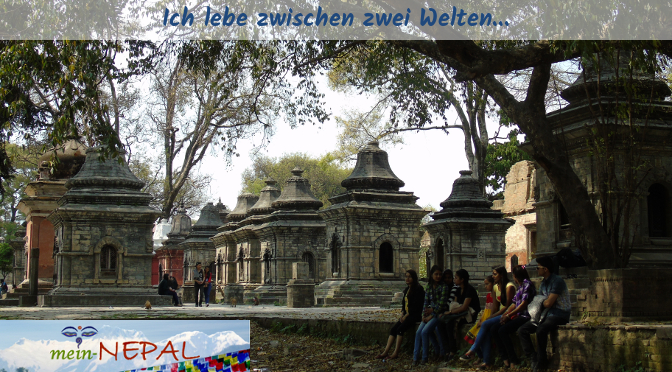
(171, 254)
(372, 235)
(228, 254)
(223, 211)
(18, 243)
(466, 233)
(41, 199)
(104, 242)
(248, 240)
(293, 233)
(650, 223)
(198, 247)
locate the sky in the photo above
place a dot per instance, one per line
(428, 161)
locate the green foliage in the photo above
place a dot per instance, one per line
(61, 91)
(6, 259)
(288, 329)
(303, 330)
(637, 368)
(24, 160)
(276, 327)
(499, 159)
(325, 174)
(359, 128)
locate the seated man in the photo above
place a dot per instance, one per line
(560, 307)
(165, 290)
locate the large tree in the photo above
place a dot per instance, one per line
(469, 61)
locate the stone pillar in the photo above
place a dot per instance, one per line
(301, 288)
(31, 299)
(34, 264)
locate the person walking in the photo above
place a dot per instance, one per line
(199, 279)
(207, 284)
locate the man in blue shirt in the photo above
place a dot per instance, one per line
(559, 309)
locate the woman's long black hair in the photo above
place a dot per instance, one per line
(464, 275)
(430, 275)
(503, 281)
(414, 277)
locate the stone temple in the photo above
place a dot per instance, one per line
(373, 235)
(228, 252)
(198, 247)
(467, 233)
(170, 255)
(41, 199)
(104, 241)
(294, 232)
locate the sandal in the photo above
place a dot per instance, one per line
(484, 366)
(467, 357)
(381, 356)
(392, 357)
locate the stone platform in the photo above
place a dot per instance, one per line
(102, 300)
(357, 292)
(268, 295)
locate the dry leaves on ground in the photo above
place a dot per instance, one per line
(278, 351)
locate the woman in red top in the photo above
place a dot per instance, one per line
(207, 284)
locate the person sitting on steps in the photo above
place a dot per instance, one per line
(514, 317)
(165, 290)
(436, 296)
(559, 310)
(411, 313)
(504, 292)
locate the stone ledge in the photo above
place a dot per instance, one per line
(103, 300)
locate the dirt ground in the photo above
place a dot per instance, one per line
(289, 350)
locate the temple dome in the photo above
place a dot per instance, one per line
(372, 171)
(266, 198)
(209, 218)
(243, 205)
(466, 193)
(108, 174)
(648, 86)
(71, 156)
(297, 194)
(181, 223)
(222, 210)
(466, 201)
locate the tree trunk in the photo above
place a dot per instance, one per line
(548, 152)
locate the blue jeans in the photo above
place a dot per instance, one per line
(422, 337)
(483, 343)
(207, 293)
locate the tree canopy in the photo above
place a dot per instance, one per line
(71, 72)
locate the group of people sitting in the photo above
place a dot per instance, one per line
(448, 302)
(168, 287)
(202, 286)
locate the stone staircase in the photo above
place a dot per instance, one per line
(358, 294)
(15, 294)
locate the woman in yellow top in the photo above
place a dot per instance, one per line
(504, 292)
